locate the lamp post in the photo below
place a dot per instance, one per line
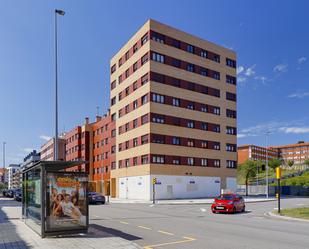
(57, 12)
(267, 189)
(4, 143)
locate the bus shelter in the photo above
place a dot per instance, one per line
(55, 201)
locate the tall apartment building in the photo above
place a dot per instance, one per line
(47, 149)
(78, 147)
(104, 153)
(255, 153)
(173, 101)
(298, 153)
(30, 159)
(11, 170)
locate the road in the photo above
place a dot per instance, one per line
(195, 227)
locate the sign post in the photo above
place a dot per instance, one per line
(154, 181)
(278, 176)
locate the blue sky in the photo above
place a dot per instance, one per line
(270, 37)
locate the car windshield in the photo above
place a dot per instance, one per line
(225, 197)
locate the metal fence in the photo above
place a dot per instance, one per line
(285, 190)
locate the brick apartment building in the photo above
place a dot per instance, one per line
(255, 153)
(47, 149)
(173, 104)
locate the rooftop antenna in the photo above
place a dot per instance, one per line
(98, 110)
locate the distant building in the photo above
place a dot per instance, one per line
(255, 153)
(47, 150)
(30, 159)
(16, 179)
(2, 175)
(297, 153)
(12, 169)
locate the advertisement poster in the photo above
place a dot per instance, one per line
(66, 201)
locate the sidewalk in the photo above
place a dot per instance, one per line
(16, 235)
(186, 201)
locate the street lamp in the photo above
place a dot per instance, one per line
(4, 143)
(57, 12)
(267, 189)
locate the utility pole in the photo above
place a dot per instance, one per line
(267, 189)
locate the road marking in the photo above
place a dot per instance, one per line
(96, 216)
(187, 239)
(203, 209)
(123, 222)
(147, 228)
(167, 233)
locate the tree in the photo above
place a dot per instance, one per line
(290, 163)
(248, 171)
(306, 162)
(274, 163)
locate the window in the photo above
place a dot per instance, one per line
(120, 163)
(127, 72)
(113, 116)
(127, 109)
(216, 58)
(230, 80)
(159, 139)
(135, 123)
(204, 162)
(230, 113)
(190, 143)
(127, 126)
(217, 163)
(190, 48)
(113, 68)
(120, 130)
(120, 113)
(176, 160)
(120, 62)
(230, 63)
(158, 159)
(158, 77)
(158, 119)
(120, 79)
(190, 161)
(176, 63)
(145, 119)
(113, 101)
(217, 146)
(144, 139)
(204, 71)
(204, 126)
(144, 79)
(144, 59)
(127, 145)
(216, 75)
(176, 102)
(231, 147)
(176, 140)
(190, 106)
(135, 48)
(135, 66)
(113, 165)
(216, 110)
(127, 91)
(135, 104)
(175, 82)
(190, 124)
(144, 39)
(127, 55)
(176, 121)
(216, 128)
(158, 57)
(134, 85)
(231, 130)
(120, 96)
(134, 161)
(231, 96)
(176, 43)
(204, 108)
(144, 99)
(113, 84)
(204, 53)
(190, 67)
(144, 159)
(231, 164)
(158, 98)
(204, 144)
(113, 149)
(158, 37)
(127, 163)
(114, 133)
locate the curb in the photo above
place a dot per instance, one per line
(277, 216)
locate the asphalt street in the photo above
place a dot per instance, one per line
(194, 226)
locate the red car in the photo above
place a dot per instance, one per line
(228, 203)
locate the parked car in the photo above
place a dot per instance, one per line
(228, 203)
(10, 193)
(18, 195)
(95, 198)
(4, 192)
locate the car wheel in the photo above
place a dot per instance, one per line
(243, 209)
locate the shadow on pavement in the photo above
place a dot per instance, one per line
(9, 237)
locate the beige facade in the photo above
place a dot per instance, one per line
(47, 150)
(167, 150)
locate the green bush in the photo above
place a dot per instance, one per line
(302, 180)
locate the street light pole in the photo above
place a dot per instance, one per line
(267, 189)
(60, 12)
(4, 143)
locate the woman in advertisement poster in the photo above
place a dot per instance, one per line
(57, 207)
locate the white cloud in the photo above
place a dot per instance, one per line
(240, 69)
(295, 130)
(240, 135)
(280, 68)
(27, 150)
(261, 78)
(299, 95)
(241, 79)
(45, 137)
(301, 60)
(250, 71)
